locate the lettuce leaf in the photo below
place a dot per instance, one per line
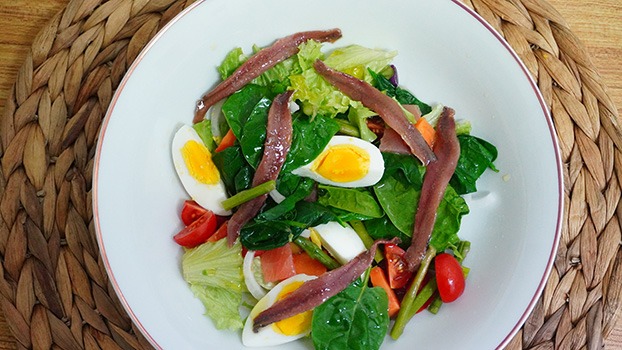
(318, 96)
(221, 305)
(214, 272)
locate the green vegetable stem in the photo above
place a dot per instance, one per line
(316, 253)
(246, 195)
(407, 309)
(361, 231)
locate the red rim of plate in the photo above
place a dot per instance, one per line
(543, 106)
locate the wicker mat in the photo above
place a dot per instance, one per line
(55, 291)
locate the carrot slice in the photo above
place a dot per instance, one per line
(303, 263)
(426, 130)
(378, 279)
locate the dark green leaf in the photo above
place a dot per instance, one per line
(384, 228)
(254, 132)
(358, 201)
(402, 96)
(354, 319)
(264, 235)
(448, 217)
(239, 106)
(301, 192)
(234, 170)
(476, 155)
(309, 139)
(399, 200)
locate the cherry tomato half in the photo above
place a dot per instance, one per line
(197, 232)
(396, 266)
(191, 212)
(449, 277)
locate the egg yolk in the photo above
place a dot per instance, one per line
(342, 163)
(298, 323)
(198, 160)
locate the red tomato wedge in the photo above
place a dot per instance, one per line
(277, 264)
(449, 277)
(303, 263)
(198, 231)
(191, 212)
(378, 279)
(399, 275)
(220, 233)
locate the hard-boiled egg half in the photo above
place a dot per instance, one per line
(342, 242)
(280, 332)
(197, 172)
(345, 162)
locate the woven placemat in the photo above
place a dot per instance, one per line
(54, 290)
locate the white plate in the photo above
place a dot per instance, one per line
(446, 54)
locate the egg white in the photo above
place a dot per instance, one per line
(209, 196)
(342, 242)
(376, 164)
(268, 336)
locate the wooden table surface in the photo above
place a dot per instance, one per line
(596, 22)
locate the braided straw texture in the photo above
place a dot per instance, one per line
(54, 289)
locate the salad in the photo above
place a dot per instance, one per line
(325, 199)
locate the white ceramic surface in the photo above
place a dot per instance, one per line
(446, 54)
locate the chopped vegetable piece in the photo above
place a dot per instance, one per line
(303, 263)
(227, 141)
(398, 272)
(316, 253)
(191, 211)
(378, 279)
(197, 232)
(426, 130)
(220, 233)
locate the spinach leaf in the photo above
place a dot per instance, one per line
(402, 96)
(235, 172)
(239, 106)
(254, 132)
(412, 169)
(302, 191)
(264, 235)
(358, 201)
(399, 189)
(288, 183)
(476, 155)
(448, 217)
(345, 216)
(398, 193)
(356, 318)
(309, 138)
(384, 228)
(399, 200)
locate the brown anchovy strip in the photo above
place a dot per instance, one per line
(437, 176)
(314, 292)
(388, 109)
(277, 144)
(259, 63)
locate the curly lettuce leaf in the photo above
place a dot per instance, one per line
(318, 96)
(214, 272)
